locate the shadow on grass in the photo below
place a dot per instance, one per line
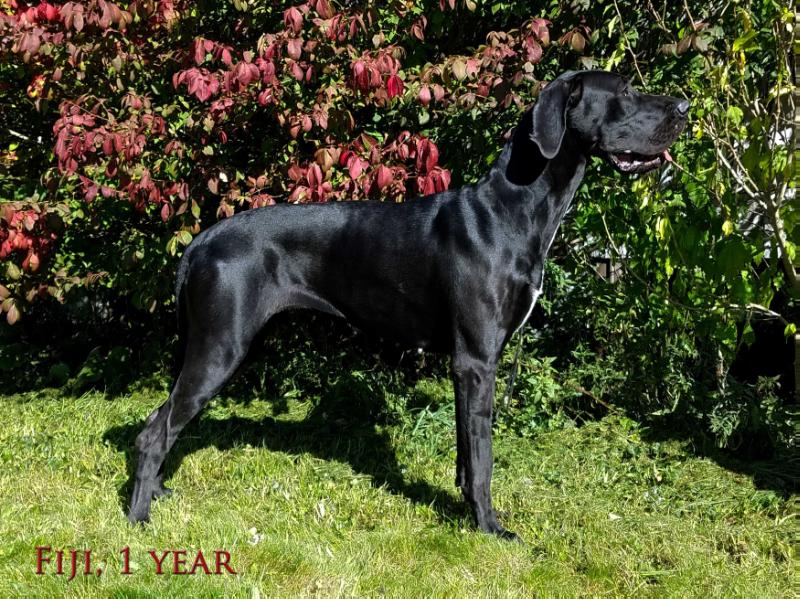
(331, 431)
(771, 468)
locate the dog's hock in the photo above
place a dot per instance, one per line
(550, 113)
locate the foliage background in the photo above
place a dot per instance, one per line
(125, 129)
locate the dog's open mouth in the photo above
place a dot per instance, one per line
(631, 162)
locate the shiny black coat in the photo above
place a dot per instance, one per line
(457, 272)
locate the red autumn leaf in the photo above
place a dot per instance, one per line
(375, 155)
(418, 28)
(424, 185)
(202, 90)
(265, 97)
(539, 29)
(32, 262)
(261, 199)
(323, 8)
(533, 51)
(403, 151)
(295, 173)
(394, 86)
(427, 155)
(425, 95)
(356, 166)
(441, 179)
(47, 12)
(293, 19)
(13, 314)
(345, 157)
(199, 51)
(245, 73)
(386, 62)
(322, 120)
(225, 210)
(294, 48)
(30, 42)
(108, 145)
(299, 193)
(297, 71)
(213, 185)
(359, 74)
(314, 175)
(326, 158)
(383, 176)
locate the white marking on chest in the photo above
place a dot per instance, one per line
(534, 296)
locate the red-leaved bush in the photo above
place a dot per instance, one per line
(162, 120)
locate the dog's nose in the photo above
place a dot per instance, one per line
(682, 107)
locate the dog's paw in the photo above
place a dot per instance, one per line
(142, 497)
(495, 528)
(507, 535)
(138, 515)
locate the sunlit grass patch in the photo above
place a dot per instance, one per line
(318, 501)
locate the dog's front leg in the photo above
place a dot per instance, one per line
(474, 381)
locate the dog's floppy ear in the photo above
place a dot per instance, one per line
(550, 112)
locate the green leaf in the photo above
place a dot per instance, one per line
(733, 257)
(172, 245)
(748, 335)
(727, 228)
(185, 237)
(743, 42)
(13, 272)
(734, 114)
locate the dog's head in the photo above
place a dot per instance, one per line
(609, 119)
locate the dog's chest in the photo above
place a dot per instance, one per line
(527, 302)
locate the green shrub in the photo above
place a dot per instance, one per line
(127, 129)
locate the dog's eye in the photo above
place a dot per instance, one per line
(625, 93)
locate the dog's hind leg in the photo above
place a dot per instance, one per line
(219, 332)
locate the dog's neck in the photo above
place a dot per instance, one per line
(535, 192)
(523, 166)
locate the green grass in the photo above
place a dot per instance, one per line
(325, 500)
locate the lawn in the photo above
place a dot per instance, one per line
(325, 498)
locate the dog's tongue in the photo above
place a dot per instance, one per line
(667, 156)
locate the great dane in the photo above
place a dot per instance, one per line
(457, 272)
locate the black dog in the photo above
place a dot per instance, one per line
(457, 272)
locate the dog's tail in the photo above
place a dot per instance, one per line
(180, 309)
